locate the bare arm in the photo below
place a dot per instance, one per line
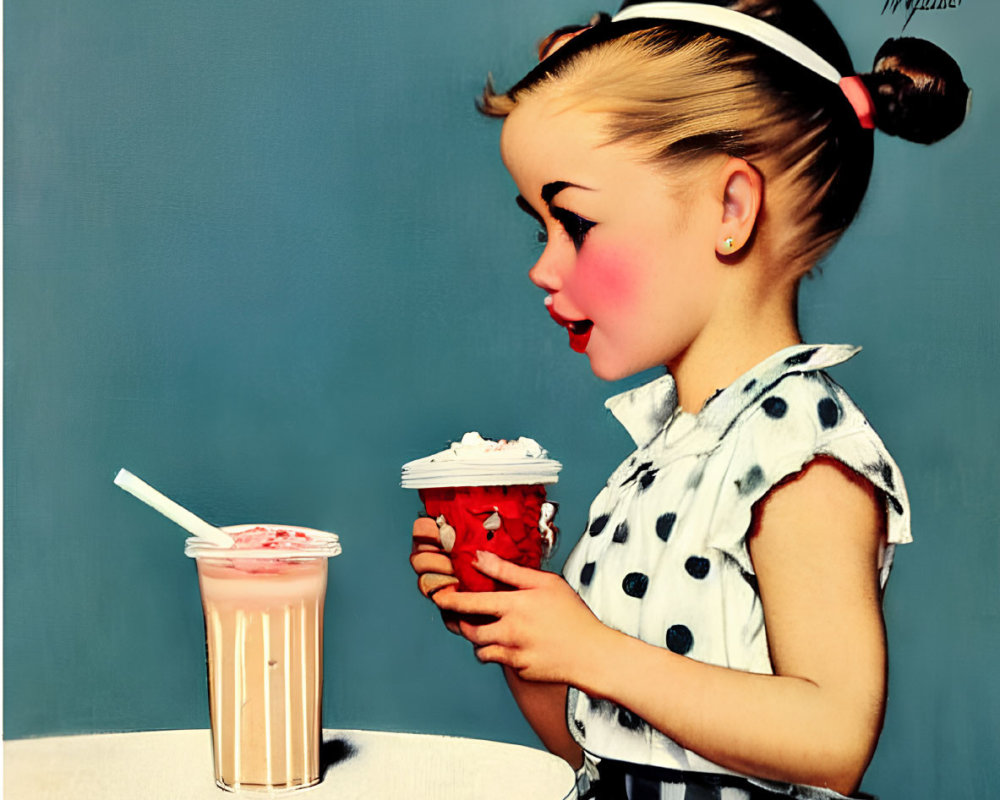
(544, 706)
(815, 721)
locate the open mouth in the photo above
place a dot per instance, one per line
(579, 329)
(579, 334)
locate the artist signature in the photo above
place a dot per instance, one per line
(911, 7)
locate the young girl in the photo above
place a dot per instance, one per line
(718, 632)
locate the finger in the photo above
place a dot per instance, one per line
(426, 547)
(508, 572)
(497, 654)
(488, 603)
(426, 530)
(451, 620)
(481, 634)
(431, 562)
(431, 582)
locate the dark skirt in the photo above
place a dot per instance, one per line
(622, 781)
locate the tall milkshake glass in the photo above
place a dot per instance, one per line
(263, 603)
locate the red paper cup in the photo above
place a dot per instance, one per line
(504, 520)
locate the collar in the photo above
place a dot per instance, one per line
(645, 410)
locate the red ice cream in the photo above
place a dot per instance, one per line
(498, 519)
(489, 495)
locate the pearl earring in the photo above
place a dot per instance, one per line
(729, 243)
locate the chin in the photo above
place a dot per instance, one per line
(615, 370)
(610, 372)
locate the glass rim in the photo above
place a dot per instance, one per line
(322, 544)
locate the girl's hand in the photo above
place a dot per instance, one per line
(543, 630)
(431, 562)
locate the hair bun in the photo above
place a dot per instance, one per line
(918, 90)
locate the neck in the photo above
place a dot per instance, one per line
(739, 336)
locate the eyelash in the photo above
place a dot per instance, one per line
(576, 227)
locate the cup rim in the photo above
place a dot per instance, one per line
(327, 545)
(463, 481)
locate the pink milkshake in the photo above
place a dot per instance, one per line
(263, 604)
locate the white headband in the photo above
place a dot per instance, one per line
(736, 22)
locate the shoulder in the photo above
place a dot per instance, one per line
(804, 428)
(825, 497)
(806, 415)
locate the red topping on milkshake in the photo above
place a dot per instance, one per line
(266, 538)
(266, 548)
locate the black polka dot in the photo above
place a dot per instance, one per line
(750, 481)
(752, 580)
(598, 525)
(749, 386)
(629, 720)
(587, 573)
(829, 412)
(665, 524)
(775, 407)
(896, 505)
(697, 567)
(578, 724)
(638, 471)
(679, 639)
(489, 535)
(801, 358)
(635, 584)
(647, 479)
(621, 533)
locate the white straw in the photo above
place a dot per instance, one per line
(171, 510)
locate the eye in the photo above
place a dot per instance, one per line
(576, 227)
(542, 236)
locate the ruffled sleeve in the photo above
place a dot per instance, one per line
(796, 420)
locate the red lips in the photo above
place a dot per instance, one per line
(579, 330)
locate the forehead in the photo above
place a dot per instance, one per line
(550, 136)
(546, 130)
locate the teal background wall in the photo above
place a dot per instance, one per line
(262, 253)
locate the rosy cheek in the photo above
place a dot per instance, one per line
(605, 276)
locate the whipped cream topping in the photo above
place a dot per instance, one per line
(475, 461)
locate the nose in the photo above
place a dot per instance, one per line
(547, 273)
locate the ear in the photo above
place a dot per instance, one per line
(742, 193)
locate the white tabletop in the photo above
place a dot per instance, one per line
(362, 765)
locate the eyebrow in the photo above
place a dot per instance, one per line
(549, 192)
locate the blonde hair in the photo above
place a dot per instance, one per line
(682, 93)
